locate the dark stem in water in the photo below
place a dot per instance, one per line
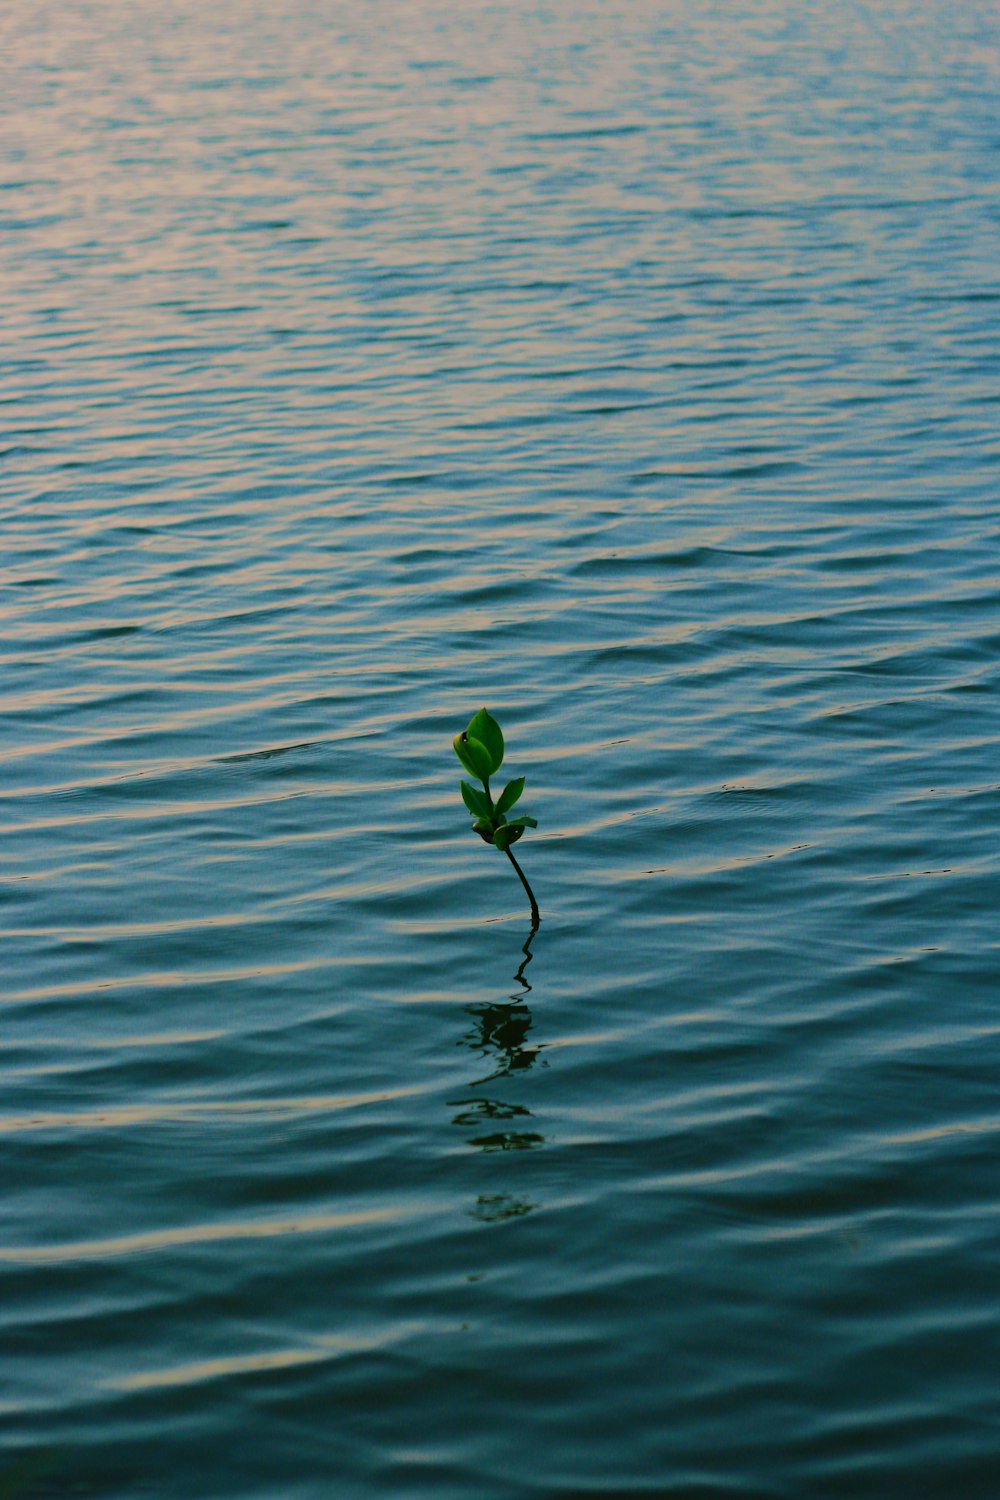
(523, 879)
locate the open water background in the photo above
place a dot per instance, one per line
(631, 368)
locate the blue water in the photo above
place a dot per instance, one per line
(632, 369)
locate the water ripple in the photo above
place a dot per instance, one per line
(631, 369)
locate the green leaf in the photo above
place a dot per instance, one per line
(475, 801)
(510, 794)
(473, 754)
(523, 821)
(458, 745)
(507, 835)
(484, 728)
(485, 829)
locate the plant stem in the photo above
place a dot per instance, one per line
(523, 879)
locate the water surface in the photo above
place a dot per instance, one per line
(631, 369)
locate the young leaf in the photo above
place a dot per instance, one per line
(475, 801)
(484, 728)
(484, 829)
(510, 794)
(458, 745)
(507, 835)
(523, 821)
(473, 754)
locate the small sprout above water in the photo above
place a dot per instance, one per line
(480, 748)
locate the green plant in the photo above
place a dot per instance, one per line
(480, 749)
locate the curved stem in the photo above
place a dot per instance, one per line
(523, 879)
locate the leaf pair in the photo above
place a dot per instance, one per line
(480, 746)
(481, 805)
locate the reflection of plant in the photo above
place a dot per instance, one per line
(491, 1208)
(480, 749)
(481, 1110)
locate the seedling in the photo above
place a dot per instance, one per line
(480, 749)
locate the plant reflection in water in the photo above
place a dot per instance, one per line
(500, 1034)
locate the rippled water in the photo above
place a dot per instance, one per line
(632, 369)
